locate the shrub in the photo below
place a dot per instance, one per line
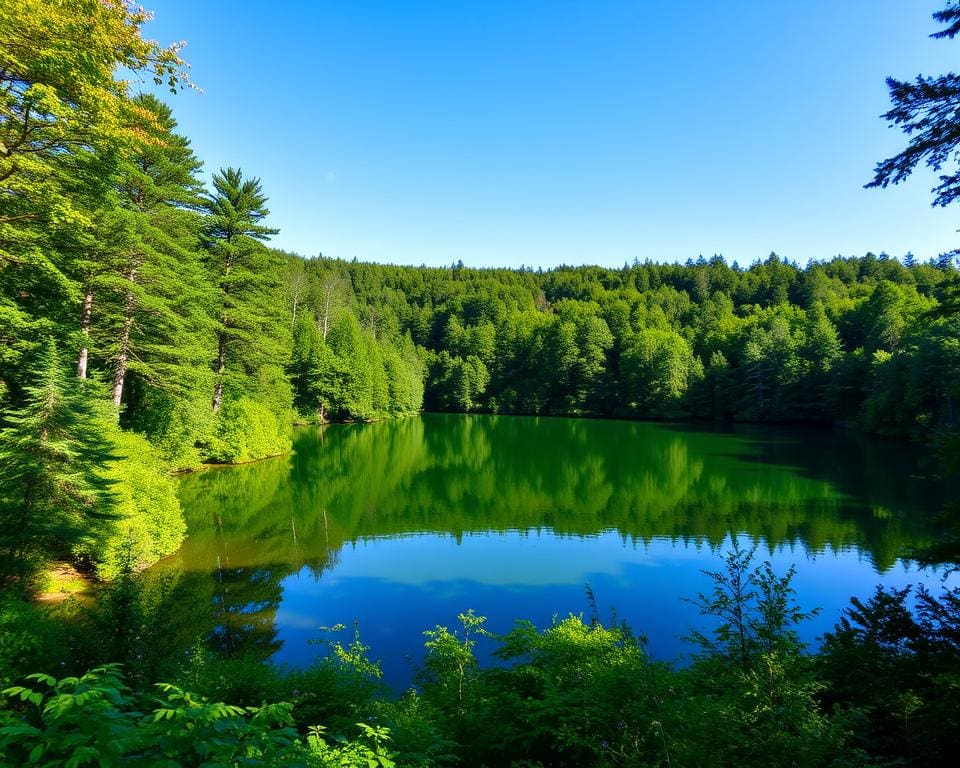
(248, 430)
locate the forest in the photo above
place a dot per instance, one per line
(149, 328)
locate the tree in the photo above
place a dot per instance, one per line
(893, 657)
(926, 111)
(294, 286)
(753, 690)
(233, 236)
(658, 368)
(153, 320)
(355, 374)
(53, 458)
(63, 117)
(819, 350)
(459, 383)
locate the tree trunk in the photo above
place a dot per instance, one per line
(85, 330)
(120, 374)
(221, 367)
(222, 336)
(326, 315)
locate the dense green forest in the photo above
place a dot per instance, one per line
(861, 340)
(148, 327)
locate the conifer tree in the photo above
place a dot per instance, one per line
(247, 275)
(352, 348)
(53, 455)
(153, 320)
(925, 109)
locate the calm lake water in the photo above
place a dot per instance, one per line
(402, 525)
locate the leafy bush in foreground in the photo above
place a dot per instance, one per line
(96, 719)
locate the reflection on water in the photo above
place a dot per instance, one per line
(403, 524)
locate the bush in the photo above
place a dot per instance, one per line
(96, 719)
(28, 639)
(150, 524)
(895, 670)
(248, 430)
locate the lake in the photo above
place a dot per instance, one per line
(402, 525)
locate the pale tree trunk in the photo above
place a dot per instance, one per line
(332, 287)
(222, 336)
(120, 374)
(326, 313)
(294, 283)
(85, 330)
(221, 367)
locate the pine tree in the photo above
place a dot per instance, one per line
(247, 276)
(153, 321)
(925, 109)
(53, 457)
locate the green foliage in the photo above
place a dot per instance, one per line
(770, 343)
(94, 718)
(580, 694)
(351, 374)
(175, 426)
(458, 383)
(895, 668)
(923, 109)
(450, 666)
(251, 335)
(753, 692)
(152, 321)
(340, 687)
(417, 732)
(659, 369)
(30, 637)
(53, 457)
(754, 608)
(149, 524)
(64, 119)
(368, 752)
(357, 367)
(247, 430)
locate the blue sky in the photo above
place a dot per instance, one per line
(541, 133)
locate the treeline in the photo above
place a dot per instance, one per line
(870, 340)
(882, 690)
(145, 325)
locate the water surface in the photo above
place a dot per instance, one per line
(402, 525)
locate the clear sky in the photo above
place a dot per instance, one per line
(507, 132)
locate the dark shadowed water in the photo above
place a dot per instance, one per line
(402, 525)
